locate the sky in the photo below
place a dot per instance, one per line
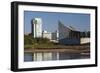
(79, 21)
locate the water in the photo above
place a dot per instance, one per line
(48, 56)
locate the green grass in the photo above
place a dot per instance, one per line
(52, 46)
(40, 46)
(28, 46)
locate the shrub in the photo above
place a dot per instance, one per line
(29, 40)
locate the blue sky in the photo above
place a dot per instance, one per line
(50, 20)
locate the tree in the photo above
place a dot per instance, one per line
(28, 40)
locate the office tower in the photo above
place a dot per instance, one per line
(36, 27)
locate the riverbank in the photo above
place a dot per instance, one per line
(70, 49)
(56, 46)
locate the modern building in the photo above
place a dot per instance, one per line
(55, 35)
(52, 36)
(46, 34)
(68, 35)
(36, 27)
(64, 35)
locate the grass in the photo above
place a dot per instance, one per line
(28, 46)
(54, 46)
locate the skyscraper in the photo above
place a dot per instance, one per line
(36, 27)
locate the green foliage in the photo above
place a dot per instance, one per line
(41, 40)
(28, 46)
(29, 40)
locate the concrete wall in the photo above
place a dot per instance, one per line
(84, 40)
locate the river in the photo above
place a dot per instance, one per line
(49, 56)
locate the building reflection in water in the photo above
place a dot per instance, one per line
(48, 56)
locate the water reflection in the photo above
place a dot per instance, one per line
(48, 56)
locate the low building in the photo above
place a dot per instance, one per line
(46, 34)
(51, 36)
(84, 40)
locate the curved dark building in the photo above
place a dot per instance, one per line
(68, 35)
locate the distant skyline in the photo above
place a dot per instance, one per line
(50, 20)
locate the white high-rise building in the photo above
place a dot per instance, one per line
(37, 27)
